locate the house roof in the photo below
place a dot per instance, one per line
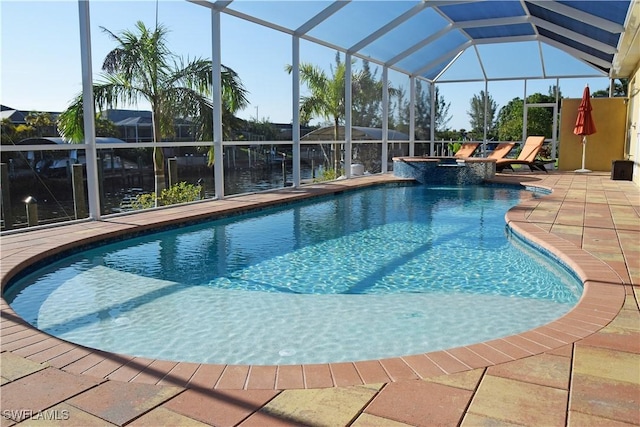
(20, 116)
(135, 121)
(58, 140)
(139, 118)
(116, 115)
(15, 116)
(456, 40)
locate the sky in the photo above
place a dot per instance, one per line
(40, 57)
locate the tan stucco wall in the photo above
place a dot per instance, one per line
(604, 146)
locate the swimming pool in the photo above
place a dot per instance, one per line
(369, 274)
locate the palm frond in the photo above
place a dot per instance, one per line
(234, 95)
(194, 74)
(71, 122)
(114, 89)
(197, 74)
(141, 58)
(108, 93)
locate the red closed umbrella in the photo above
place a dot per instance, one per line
(584, 123)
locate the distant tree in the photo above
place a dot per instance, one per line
(394, 107)
(453, 135)
(367, 97)
(7, 132)
(539, 120)
(42, 123)
(620, 88)
(442, 112)
(510, 120)
(106, 128)
(401, 112)
(555, 91)
(262, 130)
(423, 112)
(476, 114)
(24, 131)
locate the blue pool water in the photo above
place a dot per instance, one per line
(373, 273)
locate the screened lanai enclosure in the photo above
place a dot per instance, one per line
(412, 54)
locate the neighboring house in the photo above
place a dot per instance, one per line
(19, 117)
(137, 126)
(133, 125)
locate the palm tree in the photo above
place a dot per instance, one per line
(141, 67)
(326, 99)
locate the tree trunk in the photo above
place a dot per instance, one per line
(158, 170)
(336, 147)
(158, 161)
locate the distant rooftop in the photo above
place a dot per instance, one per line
(19, 116)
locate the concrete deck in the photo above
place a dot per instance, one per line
(582, 369)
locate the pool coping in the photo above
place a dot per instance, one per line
(603, 297)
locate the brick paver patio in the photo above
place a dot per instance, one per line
(582, 369)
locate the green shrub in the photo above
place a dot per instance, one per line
(178, 193)
(328, 175)
(454, 147)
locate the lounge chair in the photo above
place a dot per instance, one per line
(501, 150)
(527, 156)
(467, 149)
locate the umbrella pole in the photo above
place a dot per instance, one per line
(584, 150)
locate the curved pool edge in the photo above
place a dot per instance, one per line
(602, 299)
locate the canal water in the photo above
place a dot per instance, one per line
(55, 201)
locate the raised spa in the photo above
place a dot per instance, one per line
(445, 170)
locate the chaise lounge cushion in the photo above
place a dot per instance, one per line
(527, 156)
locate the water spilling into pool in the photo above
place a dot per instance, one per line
(374, 273)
